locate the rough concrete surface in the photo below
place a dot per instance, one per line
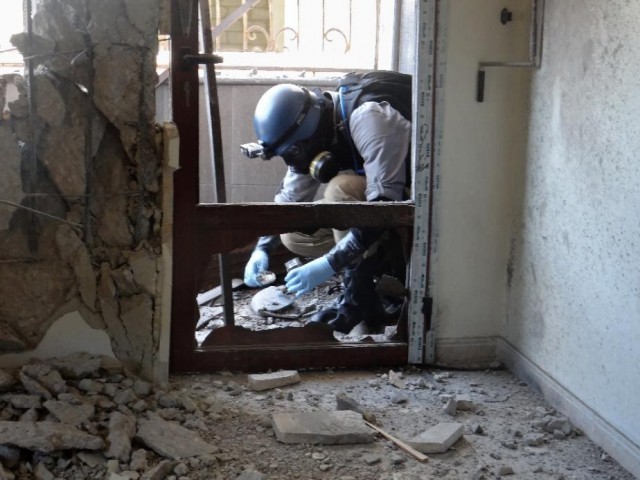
(214, 427)
(267, 381)
(437, 439)
(495, 439)
(321, 427)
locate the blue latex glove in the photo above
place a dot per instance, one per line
(307, 277)
(258, 263)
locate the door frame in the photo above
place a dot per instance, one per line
(200, 231)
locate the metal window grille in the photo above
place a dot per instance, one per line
(306, 33)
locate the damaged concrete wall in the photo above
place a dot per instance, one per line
(80, 218)
(572, 324)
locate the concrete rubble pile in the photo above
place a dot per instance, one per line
(83, 417)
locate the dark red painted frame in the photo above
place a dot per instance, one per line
(200, 231)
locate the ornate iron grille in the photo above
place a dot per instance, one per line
(308, 29)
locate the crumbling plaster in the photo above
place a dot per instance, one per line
(80, 222)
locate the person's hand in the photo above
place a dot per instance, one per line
(307, 277)
(258, 263)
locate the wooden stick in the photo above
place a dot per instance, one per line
(421, 457)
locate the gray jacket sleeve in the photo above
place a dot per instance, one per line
(383, 137)
(294, 187)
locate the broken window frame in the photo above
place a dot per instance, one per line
(201, 231)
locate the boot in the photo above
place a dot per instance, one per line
(346, 317)
(327, 314)
(343, 315)
(360, 302)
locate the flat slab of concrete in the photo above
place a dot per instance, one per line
(267, 381)
(437, 439)
(321, 427)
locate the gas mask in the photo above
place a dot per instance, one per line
(297, 125)
(324, 166)
(307, 157)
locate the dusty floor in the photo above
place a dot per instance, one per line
(84, 417)
(507, 414)
(504, 432)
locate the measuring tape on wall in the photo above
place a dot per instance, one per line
(428, 89)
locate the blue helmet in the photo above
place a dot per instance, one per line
(286, 115)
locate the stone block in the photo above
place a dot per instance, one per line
(170, 439)
(267, 381)
(534, 439)
(47, 436)
(437, 439)
(465, 403)
(451, 407)
(345, 402)
(321, 427)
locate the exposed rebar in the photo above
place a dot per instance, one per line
(39, 212)
(32, 167)
(88, 137)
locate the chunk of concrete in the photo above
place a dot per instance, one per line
(465, 403)
(396, 380)
(437, 439)
(171, 440)
(74, 415)
(47, 436)
(267, 381)
(345, 402)
(451, 407)
(534, 439)
(561, 423)
(321, 427)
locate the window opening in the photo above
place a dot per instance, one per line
(268, 37)
(270, 308)
(11, 20)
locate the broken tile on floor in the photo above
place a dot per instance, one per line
(267, 381)
(321, 427)
(437, 439)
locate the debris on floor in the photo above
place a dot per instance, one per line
(502, 428)
(271, 308)
(321, 427)
(437, 439)
(403, 445)
(271, 299)
(210, 296)
(82, 417)
(267, 381)
(344, 402)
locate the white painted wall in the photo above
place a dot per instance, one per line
(573, 322)
(483, 150)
